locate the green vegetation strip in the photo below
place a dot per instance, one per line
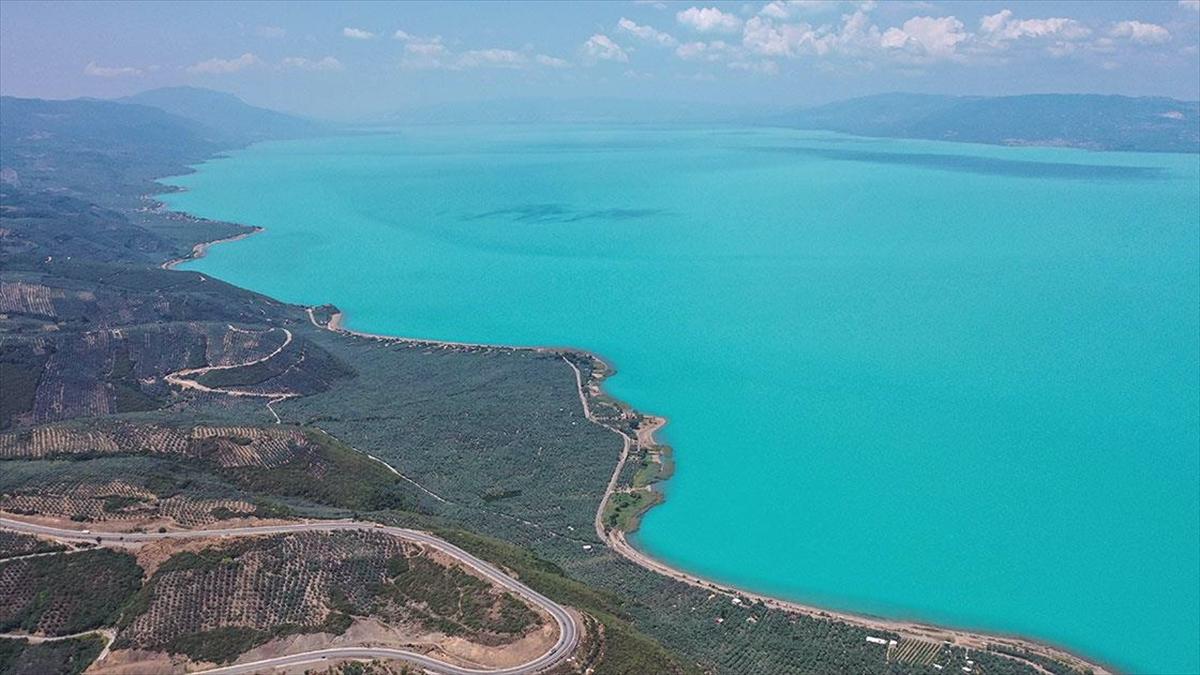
(63, 657)
(626, 650)
(68, 593)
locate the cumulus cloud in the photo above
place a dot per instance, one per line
(110, 71)
(784, 9)
(703, 51)
(431, 53)
(926, 37)
(409, 37)
(1003, 27)
(1142, 33)
(600, 47)
(224, 66)
(647, 33)
(708, 20)
(854, 38)
(357, 33)
(327, 64)
(491, 58)
(779, 31)
(426, 54)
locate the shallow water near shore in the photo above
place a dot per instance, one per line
(925, 380)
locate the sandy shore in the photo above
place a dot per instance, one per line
(200, 250)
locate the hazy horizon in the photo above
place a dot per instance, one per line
(361, 61)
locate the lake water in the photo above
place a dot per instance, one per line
(953, 382)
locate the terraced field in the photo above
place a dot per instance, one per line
(62, 657)
(66, 593)
(215, 603)
(239, 446)
(14, 544)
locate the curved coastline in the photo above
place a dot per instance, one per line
(616, 539)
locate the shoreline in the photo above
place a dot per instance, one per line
(616, 540)
(201, 249)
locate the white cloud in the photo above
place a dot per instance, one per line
(1193, 5)
(270, 32)
(357, 33)
(703, 51)
(327, 64)
(1003, 27)
(409, 37)
(110, 71)
(783, 9)
(647, 33)
(708, 19)
(854, 38)
(552, 61)
(431, 48)
(426, 54)
(430, 53)
(1137, 31)
(600, 47)
(926, 37)
(771, 39)
(491, 58)
(223, 66)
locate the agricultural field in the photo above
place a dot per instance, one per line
(216, 603)
(154, 473)
(62, 657)
(13, 544)
(480, 428)
(66, 593)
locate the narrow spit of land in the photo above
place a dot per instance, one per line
(569, 625)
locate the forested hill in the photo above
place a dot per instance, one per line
(1086, 121)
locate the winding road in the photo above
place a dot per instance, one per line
(569, 627)
(183, 378)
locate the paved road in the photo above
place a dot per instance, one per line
(568, 629)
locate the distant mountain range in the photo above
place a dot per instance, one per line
(211, 118)
(226, 115)
(104, 146)
(1070, 120)
(1088, 121)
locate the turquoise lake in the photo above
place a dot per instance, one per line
(942, 381)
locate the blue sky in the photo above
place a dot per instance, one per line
(358, 60)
